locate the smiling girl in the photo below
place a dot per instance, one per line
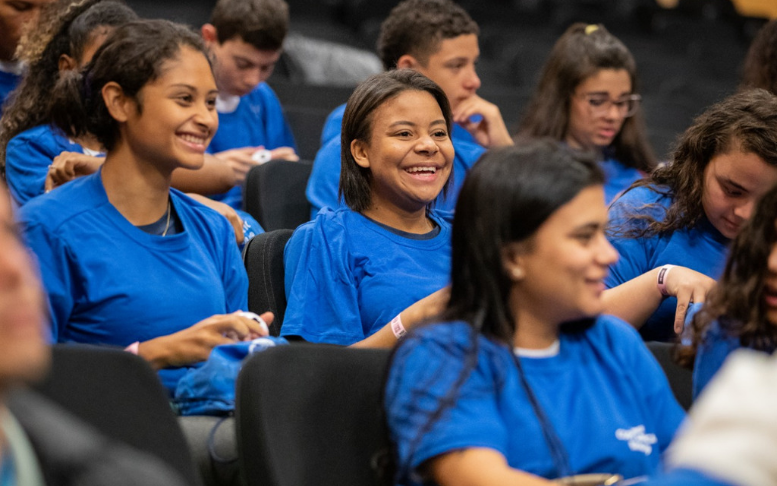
(522, 379)
(673, 229)
(587, 97)
(126, 260)
(349, 272)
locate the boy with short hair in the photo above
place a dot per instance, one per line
(246, 39)
(440, 40)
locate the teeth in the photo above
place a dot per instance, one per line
(193, 139)
(413, 170)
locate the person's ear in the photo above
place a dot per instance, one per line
(407, 62)
(120, 106)
(66, 63)
(359, 153)
(209, 34)
(512, 259)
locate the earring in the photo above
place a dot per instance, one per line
(517, 273)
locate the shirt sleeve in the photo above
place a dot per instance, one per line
(27, 160)
(321, 288)
(423, 377)
(58, 274)
(278, 130)
(324, 179)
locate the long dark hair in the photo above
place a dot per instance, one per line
(506, 197)
(746, 119)
(737, 301)
(371, 94)
(131, 56)
(581, 52)
(64, 28)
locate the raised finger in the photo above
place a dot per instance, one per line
(683, 299)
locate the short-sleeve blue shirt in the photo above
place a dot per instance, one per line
(604, 394)
(347, 276)
(715, 347)
(257, 120)
(109, 282)
(702, 248)
(28, 157)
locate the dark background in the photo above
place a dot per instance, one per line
(688, 57)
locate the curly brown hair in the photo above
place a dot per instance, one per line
(578, 54)
(760, 70)
(737, 301)
(746, 120)
(65, 27)
(417, 27)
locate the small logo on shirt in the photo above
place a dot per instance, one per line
(637, 439)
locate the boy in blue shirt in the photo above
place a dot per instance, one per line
(246, 38)
(440, 40)
(14, 15)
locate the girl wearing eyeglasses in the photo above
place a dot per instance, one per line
(586, 98)
(673, 230)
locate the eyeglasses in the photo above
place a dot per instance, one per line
(601, 103)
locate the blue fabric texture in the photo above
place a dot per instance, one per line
(28, 157)
(702, 248)
(685, 477)
(257, 121)
(324, 179)
(108, 282)
(712, 352)
(604, 394)
(8, 83)
(617, 178)
(210, 388)
(346, 276)
(333, 125)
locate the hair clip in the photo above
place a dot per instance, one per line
(591, 28)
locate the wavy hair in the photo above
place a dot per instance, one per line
(65, 28)
(578, 54)
(737, 301)
(745, 121)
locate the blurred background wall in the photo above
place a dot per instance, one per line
(689, 52)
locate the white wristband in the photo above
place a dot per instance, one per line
(397, 328)
(663, 273)
(261, 156)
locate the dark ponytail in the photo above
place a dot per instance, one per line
(131, 57)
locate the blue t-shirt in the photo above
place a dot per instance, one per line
(617, 178)
(8, 83)
(324, 179)
(257, 120)
(333, 125)
(604, 394)
(28, 157)
(29, 154)
(702, 248)
(347, 276)
(715, 347)
(109, 282)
